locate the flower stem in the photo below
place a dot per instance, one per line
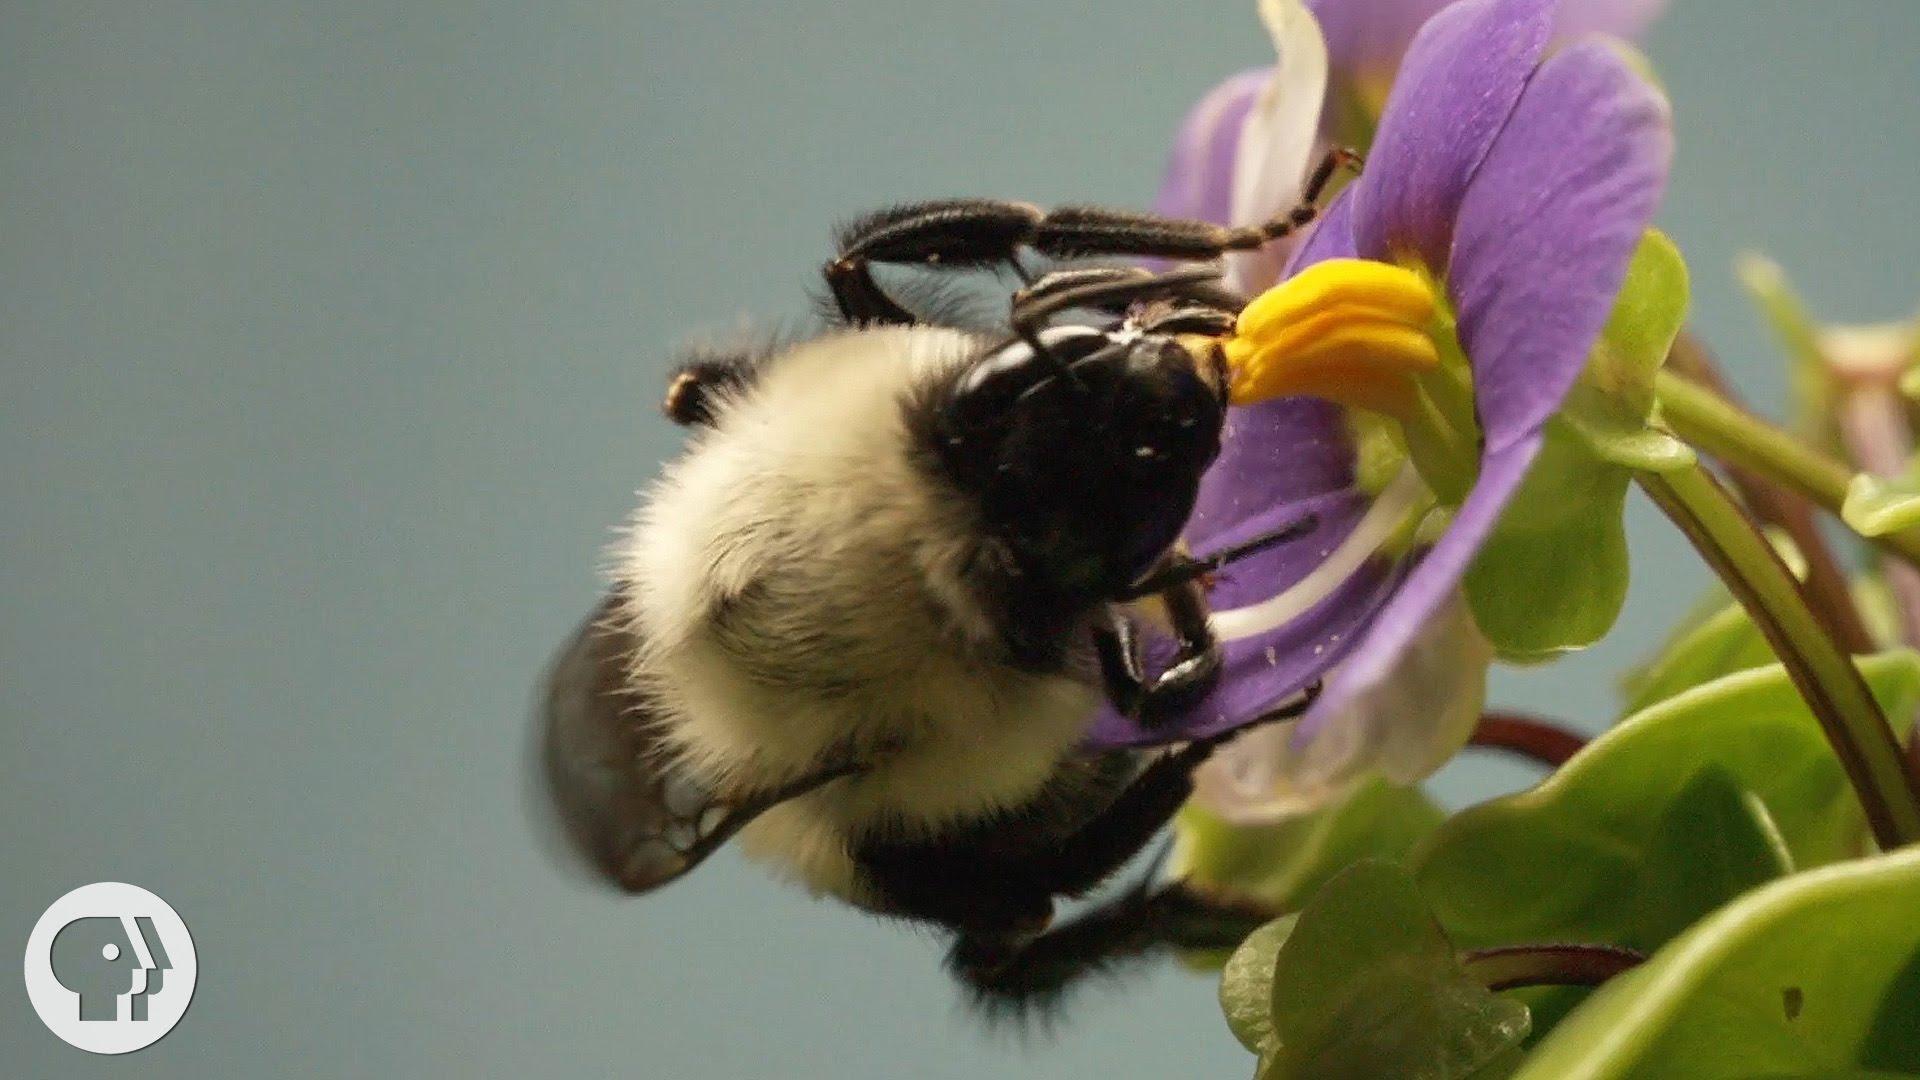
(1827, 587)
(1729, 432)
(1825, 676)
(1872, 420)
(1512, 966)
(1528, 736)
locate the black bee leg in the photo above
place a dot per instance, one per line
(1114, 288)
(1180, 568)
(957, 233)
(1080, 231)
(1336, 159)
(976, 233)
(1101, 846)
(703, 378)
(1055, 281)
(987, 892)
(1011, 978)
(1193, 672)
(1177, 581)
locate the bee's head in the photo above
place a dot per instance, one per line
(1086, 456)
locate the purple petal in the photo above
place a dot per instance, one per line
(1263, 671)
(1273, 454)
(1461, 80)
(1199, 177)
(1548, 228)
(1368, 37)
(1255, 578)
(1429, 586)
(1404, 728)
(1282, 462)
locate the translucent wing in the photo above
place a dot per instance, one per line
(637, 820)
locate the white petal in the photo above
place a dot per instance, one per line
(1280, 140)
(1393, 509)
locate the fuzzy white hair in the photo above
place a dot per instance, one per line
(798, 581)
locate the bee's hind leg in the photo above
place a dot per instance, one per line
(1016, 978)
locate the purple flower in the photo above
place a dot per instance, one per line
(1521, 186)
(1243, 148)
(1367, 38)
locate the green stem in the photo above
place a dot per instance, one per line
(1738, 437)
(1828, 589)
(1826, 678)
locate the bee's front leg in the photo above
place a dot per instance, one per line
(1194, 671)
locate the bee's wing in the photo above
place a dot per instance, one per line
(638, 821)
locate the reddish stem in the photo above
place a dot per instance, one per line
(1528, 736)
(1514, 966)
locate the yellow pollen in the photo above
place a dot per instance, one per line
(1352, 331)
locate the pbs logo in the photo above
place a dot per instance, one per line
(110, 968)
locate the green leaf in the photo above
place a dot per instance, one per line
(1368, 986)
(1720, 644)
(1246, 985)
(1836, 1075)
(1284, 864)
(1530, 600)
(1719, 638)
(1876, 506)
(1569, 859)
(1816, 974)
(1715, 841)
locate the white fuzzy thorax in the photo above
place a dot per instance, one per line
(797, 581)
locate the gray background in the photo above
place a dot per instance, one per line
(330, 337)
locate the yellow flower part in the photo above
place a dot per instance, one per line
(1352, 331)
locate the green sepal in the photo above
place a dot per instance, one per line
(1530, 599)
(1877, 506)
(1442, 436)
(1631, 446)
(1814, 975)
(1367, 985)
(1646, 318)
